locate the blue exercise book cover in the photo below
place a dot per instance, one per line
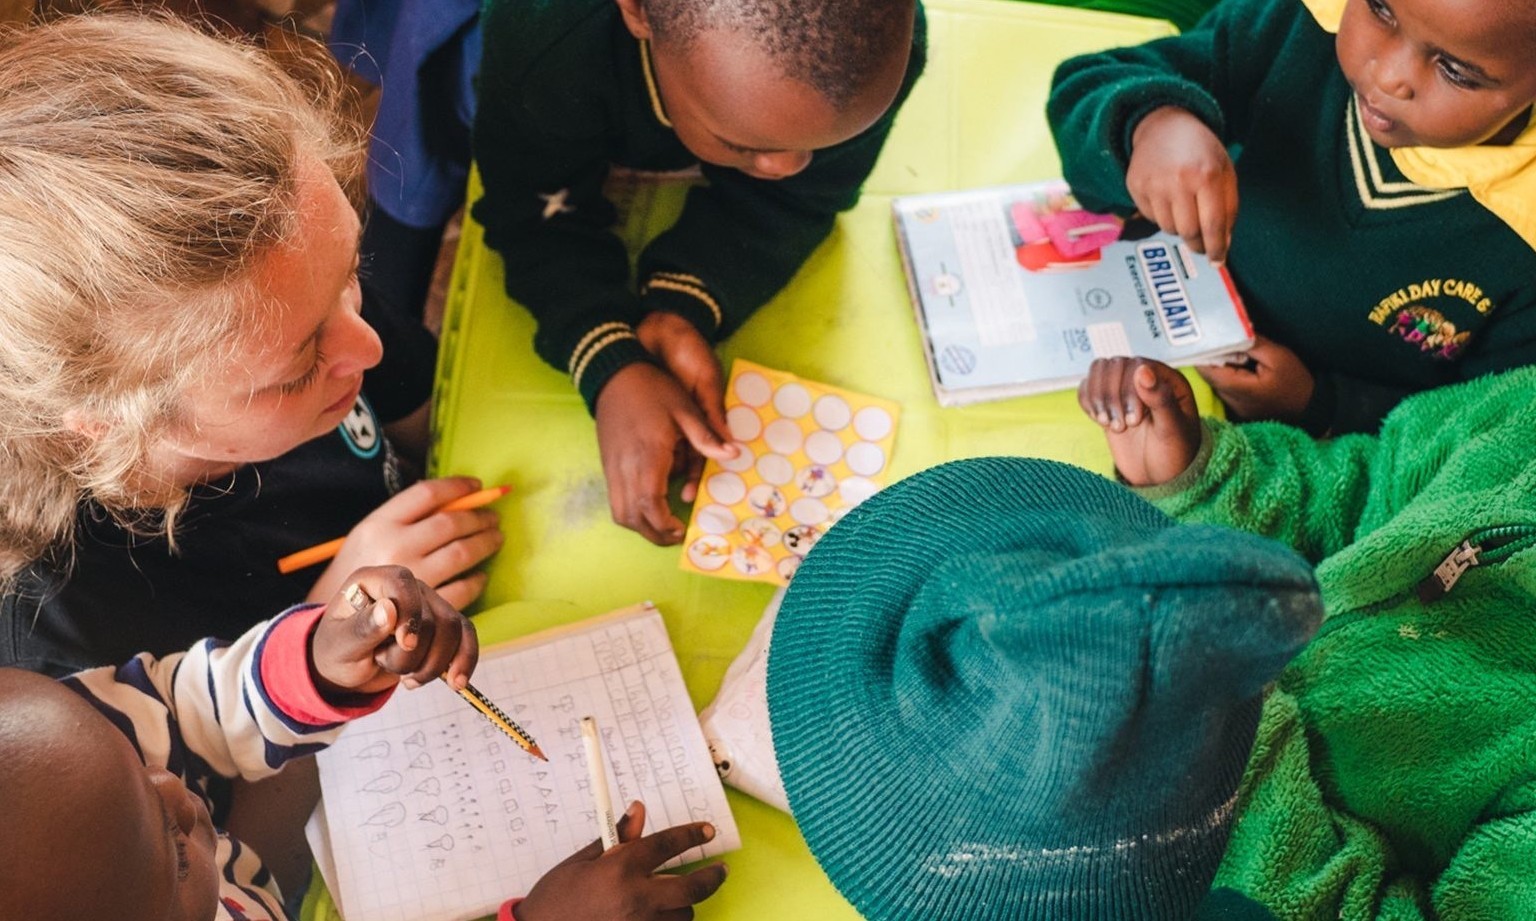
(1018, 290)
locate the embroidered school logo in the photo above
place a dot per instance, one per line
(1430, 331)
(360, 430)
(1162, 269)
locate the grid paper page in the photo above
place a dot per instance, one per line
(436, 816)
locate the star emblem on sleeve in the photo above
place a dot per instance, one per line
(555, 203)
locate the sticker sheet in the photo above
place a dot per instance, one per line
(809, 452)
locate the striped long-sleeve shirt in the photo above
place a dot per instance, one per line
(240, 709)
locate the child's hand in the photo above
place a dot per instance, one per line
(1148, 413)
(385, 624)
(1273, 384)
(644, 418)
(408, 530)
(1181, 177)
(692, 360)
(621, 884)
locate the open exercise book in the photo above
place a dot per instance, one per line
(431, 814)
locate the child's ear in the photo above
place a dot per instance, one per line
(635, 19)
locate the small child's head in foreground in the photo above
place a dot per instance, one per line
(759, 85)
(1440, 73)
(91, 831)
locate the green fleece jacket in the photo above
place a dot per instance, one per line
(1381, 286)
(1394, 773)
(565, 92)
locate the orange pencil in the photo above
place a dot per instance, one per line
(319, 553)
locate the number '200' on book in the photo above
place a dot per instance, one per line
(1018, 289)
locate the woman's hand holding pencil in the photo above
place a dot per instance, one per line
(439, 529)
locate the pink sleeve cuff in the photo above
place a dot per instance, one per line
(286, 678)
(505, 914)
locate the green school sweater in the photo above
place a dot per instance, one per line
(565, 91)
(1381, 286)
(1394, 771)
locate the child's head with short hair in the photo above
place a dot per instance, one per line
(759, 85)
(148, 172)
(90, 831)
(1440, 73)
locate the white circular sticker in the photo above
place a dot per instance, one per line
(709, 552)
(765, 500)
(783, 436)
(856, 489)
(815, 481)
(775, 469)
(726, 488)
(809, 511)
(743, 422)
(753, 389)
(749, 561)
(716, 519)
(866, 459)
(823, 447)
(832, 412)
(872, 423)
(792, 401)
(788, 565)
(743, 460)
(800, 539)
(760, 532)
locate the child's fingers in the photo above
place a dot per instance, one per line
(657, 523)
(1090, 393)
(1215, 221)
(652, 851)
(695, 427)
(669, 893)
(1186, 220)
(632, 822)
(1153, 389)
(462, 664)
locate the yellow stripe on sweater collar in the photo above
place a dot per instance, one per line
(650, 83)
(1501, 179)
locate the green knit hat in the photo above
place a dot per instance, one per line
(1012, 689)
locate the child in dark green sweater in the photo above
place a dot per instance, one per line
(1387, 241)
(783, 103)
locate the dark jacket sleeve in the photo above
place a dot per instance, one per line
(542, 154)
(1213, 71)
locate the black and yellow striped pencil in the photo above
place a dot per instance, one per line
(499, 719)
(359, 598)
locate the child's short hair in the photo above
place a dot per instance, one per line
(145, 168)
(834, 46)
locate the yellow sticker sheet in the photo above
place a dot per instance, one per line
(807, 453)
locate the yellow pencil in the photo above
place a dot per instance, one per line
(501, 721)
(319, 553)
(358, 597)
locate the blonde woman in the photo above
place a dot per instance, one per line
(192, 387)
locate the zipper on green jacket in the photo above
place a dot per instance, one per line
(1481, 547)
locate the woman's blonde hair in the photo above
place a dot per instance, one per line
(145, 169)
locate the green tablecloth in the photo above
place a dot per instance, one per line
(976, 118)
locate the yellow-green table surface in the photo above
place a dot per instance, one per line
(975, 118)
